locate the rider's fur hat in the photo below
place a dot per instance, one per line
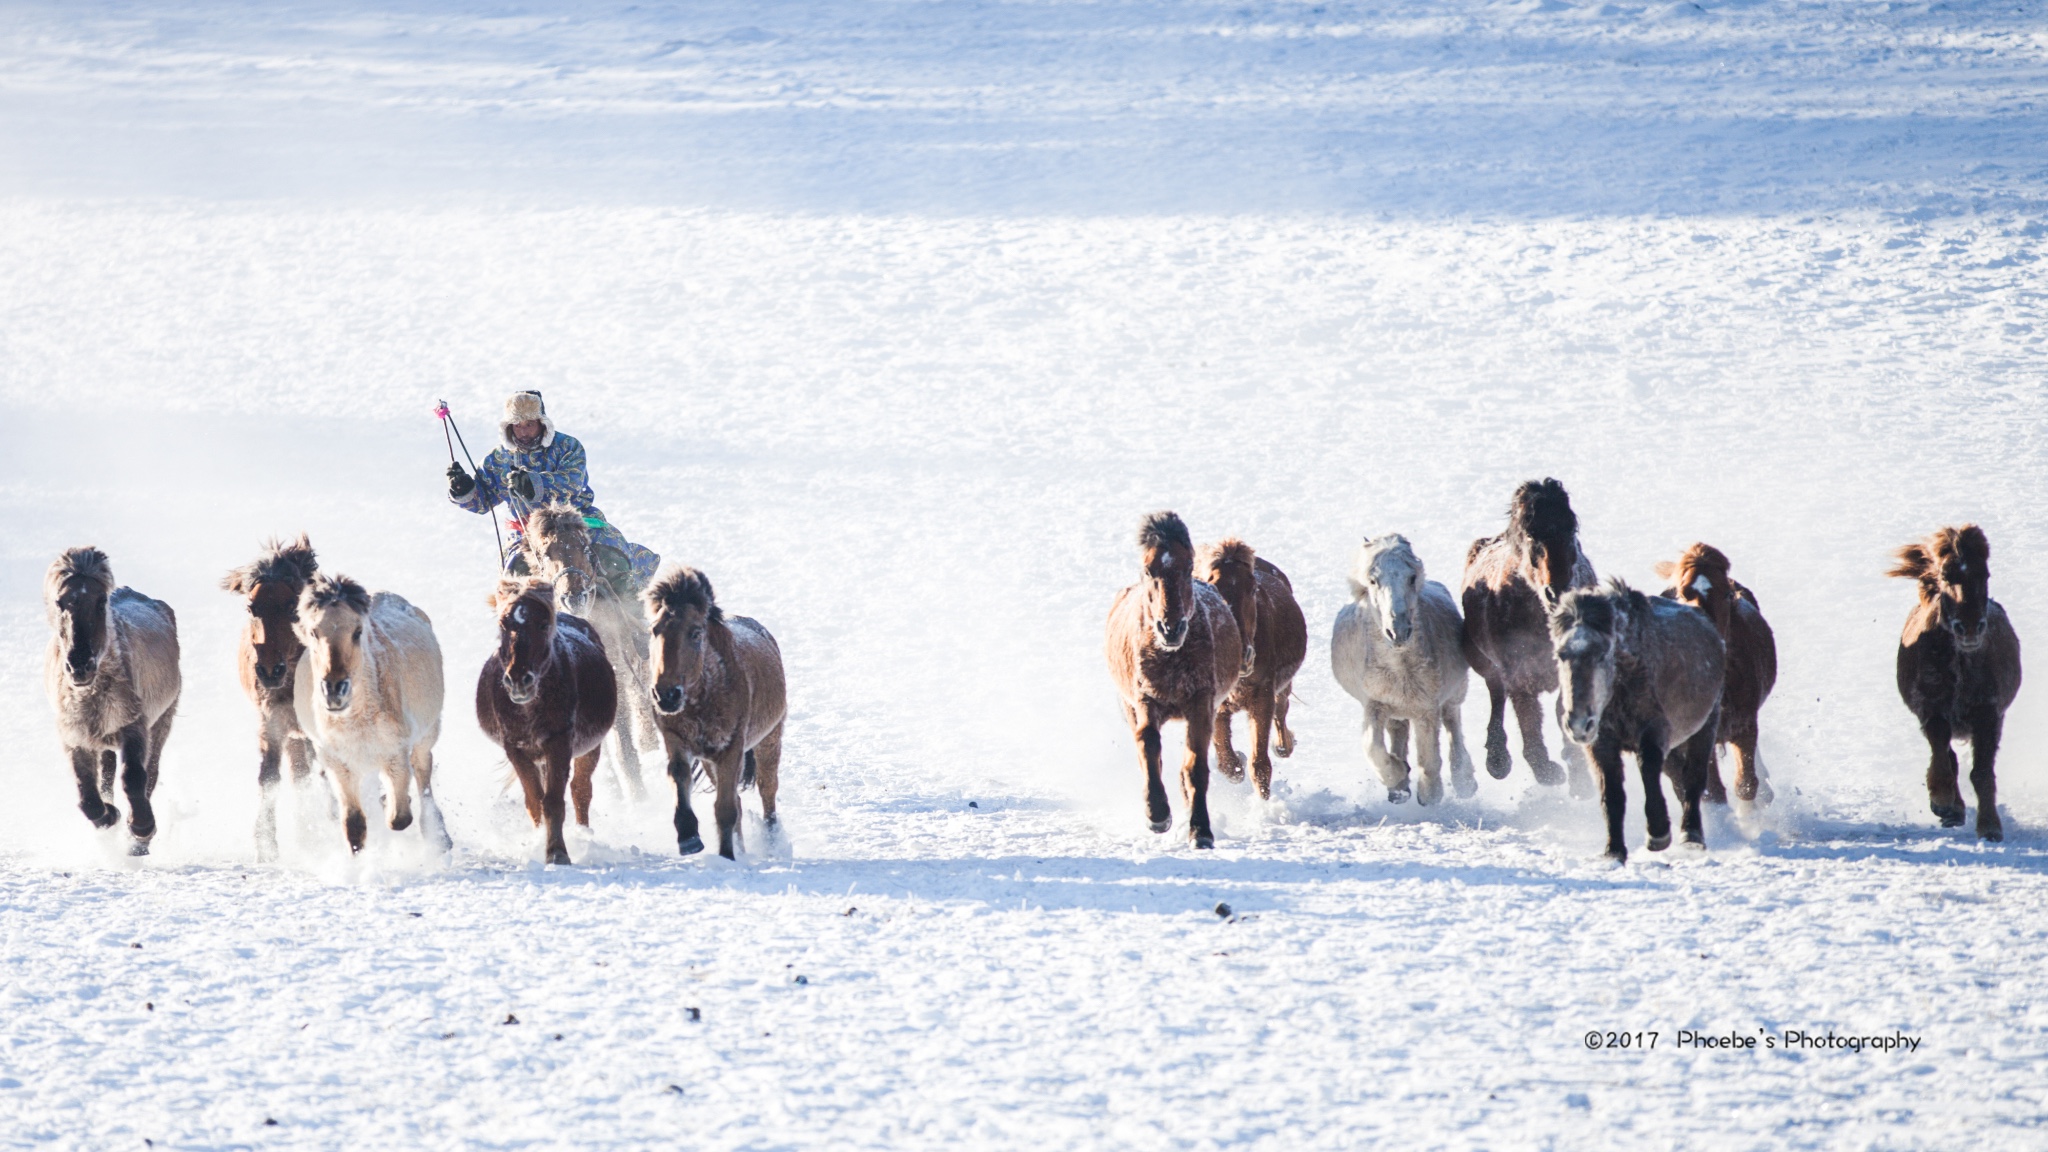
(519, 408)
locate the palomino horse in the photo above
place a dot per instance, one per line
(1275, 639)
(1511, 581)
(1959, 668)
(558, 550)
(1397, 648)
(1174, 652)
(719, 697)
(1640, 674)
(112, 676)
(368, 691)
(267, 658)
(547, 696)
(1700, 578)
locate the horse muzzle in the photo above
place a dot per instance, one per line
(521, 689)
(1171, 636)
(668, 701)
(1967, 638)
(272, 676)
(337, 694)
(1581, 727)
(82, 676)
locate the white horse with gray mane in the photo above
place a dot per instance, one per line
(1398, 648)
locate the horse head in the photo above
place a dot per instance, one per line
(330, 625)
(1953, 567)
(1232, 567)
(77, 591)
(1545, 532)
(526, 634)
(1586, 633)
(1700, 578)
(1388, 578)
(1168, 556)
(271, 586)
(559, 551)
(683, 609)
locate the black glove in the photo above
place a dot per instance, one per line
(521, 484)
(459, 482)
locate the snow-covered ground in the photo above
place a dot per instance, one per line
(895, 318)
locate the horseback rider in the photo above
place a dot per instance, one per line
(537, 465)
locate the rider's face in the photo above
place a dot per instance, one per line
(526, 431)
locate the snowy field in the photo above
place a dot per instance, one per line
(895, 318)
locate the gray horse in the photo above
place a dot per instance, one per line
(1398, 648)
(112, 675)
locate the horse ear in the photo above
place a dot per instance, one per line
(236, 581)
(1666, 569)
(1357, 589)
(509, 588)
(1911, 563)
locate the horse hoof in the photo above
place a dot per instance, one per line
(1547, 772)
(558, 856)
(690, 847)
(1428, 792)
(141, 847)
(1720, 798)
(1283, 751)
(1582, 787)
(1397, 795)
(1498, 764)
(1203, 840)
(1617, 855)
(1764, 795)
(401, 822)
(1949, 817)
(1161, 825)
(1659, 843)
(1989, 835)
(1465, 785)
(107, 818)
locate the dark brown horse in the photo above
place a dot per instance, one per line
(1511, 581)
(1700, 578)
(1275, 639)
(112, 675)
(719, 697)
(1175, 653)
(547, 696)
(1959, 668)
(267, 657)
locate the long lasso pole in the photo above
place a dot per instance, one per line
(448, 424)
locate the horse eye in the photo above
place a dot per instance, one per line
(358, 637)
(696, 634)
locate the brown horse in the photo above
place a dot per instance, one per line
(1275, 639)
(1511, 581)
(268, 656)
(719, 697)
(1175, 652)
(112, 675)
(547, 697)
(1959, 668)
(1700, 578)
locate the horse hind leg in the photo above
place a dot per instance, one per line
(432, 827)
(580, 772)
(1283, 696)
(1529, 713)
(764, 761)
(1463, 780)
(1261, 716)
(1498, 762)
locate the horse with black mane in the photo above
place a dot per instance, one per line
(268, 659)
(1958, 668)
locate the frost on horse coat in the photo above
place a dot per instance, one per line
(561, 474)
(1398, 649)
(368, 690)
(112, 676)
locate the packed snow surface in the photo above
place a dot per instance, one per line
(895, 319)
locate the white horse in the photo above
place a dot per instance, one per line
(368, 690)
(1398, 648)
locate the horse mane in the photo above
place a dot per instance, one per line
(88, 564)
(1164, 530)
(1541, 510)
(515, 588)
(552, 518)
(1600, 609)
(1229, 552)
(683, 587)
(1923, 561)
(281, 562)
(335, 591)
(1697, 560)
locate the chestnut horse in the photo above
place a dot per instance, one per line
(1700, 578)
(112, 675)
(719, 697)
(1175, 653)
(1959, 668)
(1640, 674)
(1511, 581)
(268, 657)
(1275, 636)
(547, 696)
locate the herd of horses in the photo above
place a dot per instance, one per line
(349, 682)
(1668, 678)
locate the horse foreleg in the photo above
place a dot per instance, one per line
(397, 772)
(110, 773)
(1749, 782)
(1261, 716)
(1452, 716)
(1650, 764)
(1698, 752)
(135, 783)
(1986, 728)
(1430, 789)
(530, 782)
(579, 784)
(1498, 762)
(681, 767)
(1282, 697)
(270, 753)
(1613, 799)
(726, 804)
(1194, 774)
(432, 827)
(85, 765)
(1145, 730)
(556, 764)
(1529, 713)
(1229, 761)
(352, 822)
(1393, 771)
(1943, 795)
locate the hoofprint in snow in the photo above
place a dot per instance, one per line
(909, 424)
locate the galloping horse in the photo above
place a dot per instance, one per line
(1959, 668)
(1511, 581)
(368, 690)
(1700, 578)
(547, 696)
(558, 549)
(1175, 653)
(1275, 639)
(112, 675)
(267, 658)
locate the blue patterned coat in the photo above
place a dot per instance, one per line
(559, 473)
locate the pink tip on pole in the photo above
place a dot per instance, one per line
(441, 410)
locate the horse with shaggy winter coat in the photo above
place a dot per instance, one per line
(1640, 674)
(267, 657)
(1398, 649)
(1700, 578)
(1275, 636)
(111, 672)
(368, 690)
